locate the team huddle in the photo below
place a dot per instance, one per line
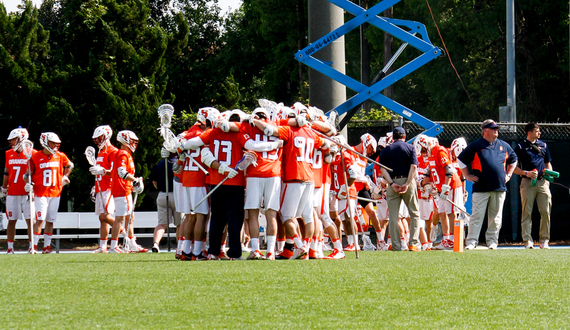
(288, 163)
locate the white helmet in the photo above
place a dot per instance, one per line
(261, 111)
(389, 138)
(214, 117)
(417, 146)
(458, 145)
(242, 115)
(426, 142)
(128, 138)
(49, 137)
(368, 140)
(20, 133)
(104, 130)
(203, 114)
(299, 108)
(382, 141)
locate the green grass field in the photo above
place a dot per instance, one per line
(429, 290)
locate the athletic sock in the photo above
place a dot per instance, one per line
(133, 241)
(451, 237)
(114, 242)
(254, 243)
(307, 242)
(280, 243)
(37, 238)
(47, 239)
(314, 243)
(186, 246)
(326, 238)
(180, 243)
(271, 244)
(298, 242)
(350, 239)
(10, 245)
(103, 244)
(124, 233)
(337, 244)
(31, 244)
(197, 249)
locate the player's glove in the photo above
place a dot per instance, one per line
(92, 194)
(465, 196)
(181, 142)
(97, 170)
(3, 192)
(164, 153)
(302, 120)
(444, 194)
(225, 168)
(65, 180)
(29, 187)
(138, 185)
(342, 193)
(224, 126)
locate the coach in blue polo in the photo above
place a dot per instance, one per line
(534, 158)
(401, 158)
(492, 164)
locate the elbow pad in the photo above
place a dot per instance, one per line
(270, 130)
(207, 157)
(353, 172)
(122, 173)
(449, 170)
(328, 158)
(193, 144)
(177, 168)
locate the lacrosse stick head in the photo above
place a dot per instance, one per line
(170, 142)
(27, 148)
(90, 155)
(19, 135)
(165, 113)
(248, 158)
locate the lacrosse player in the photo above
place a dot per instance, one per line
(104, 202)
(50, 169)
(124, 182)
(17, 201)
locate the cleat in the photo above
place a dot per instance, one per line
(544, 245)
(443, 246)
(493, 246)
(382, 246)
(137, 249)
(327, 247)
(390, 247)
(200, 257)
(313, 254)
(223, 256)
(100, 250)
(470, 246)
(285, 254)
(529, 245)
(178, 254)
(336, 254)
(32, 251)
(413, 248)
(47, 250)
(298, 254)
(116, 250)
(211, 257)
(10, 251)
(186, 257)
(368, 246)
(349, 248)
(255, 255)
(155, 249)
(270, 256)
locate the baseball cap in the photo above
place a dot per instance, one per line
(398, 132)
(489, 123)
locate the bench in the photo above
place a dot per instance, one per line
(78, 221)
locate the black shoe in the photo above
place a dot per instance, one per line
(185, 256)
(155, 248)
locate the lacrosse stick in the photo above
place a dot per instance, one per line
(248, 158)
(90, 155)
(352, 220)
(434, 194)
(349, 148)
(28, 148)
(128, 224)
(165, 113)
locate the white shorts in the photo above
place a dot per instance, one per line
(297, 201)
(262, 191)
(46, 208)
(456, 196)
(178, 189)
(104, 203)
(404, 213)
(426, 208)
(123, 206)
(193, 195)
(382, 209)
(342, 207)
(16, 205)
(333, 202)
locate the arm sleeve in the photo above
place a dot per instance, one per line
(194, 143)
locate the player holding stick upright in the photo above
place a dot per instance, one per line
(50, 171)
(104, 202)
(124, 180)
(17, 201)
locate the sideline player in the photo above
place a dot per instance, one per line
(104, 202)
(50, 169)
(124, 180)
(17, 201)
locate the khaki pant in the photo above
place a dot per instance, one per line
(492, 202)
(411, 200)
(540, 193)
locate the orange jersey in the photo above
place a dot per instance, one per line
(192, 175)
(298, 146)
(326, 173)
(120, 186)
(338, 174)
(438, 159)
(17, 166)
(361, 162)
(47, 173)
(268, 162)
(105, 159)
(227, 149)
(318, 162)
